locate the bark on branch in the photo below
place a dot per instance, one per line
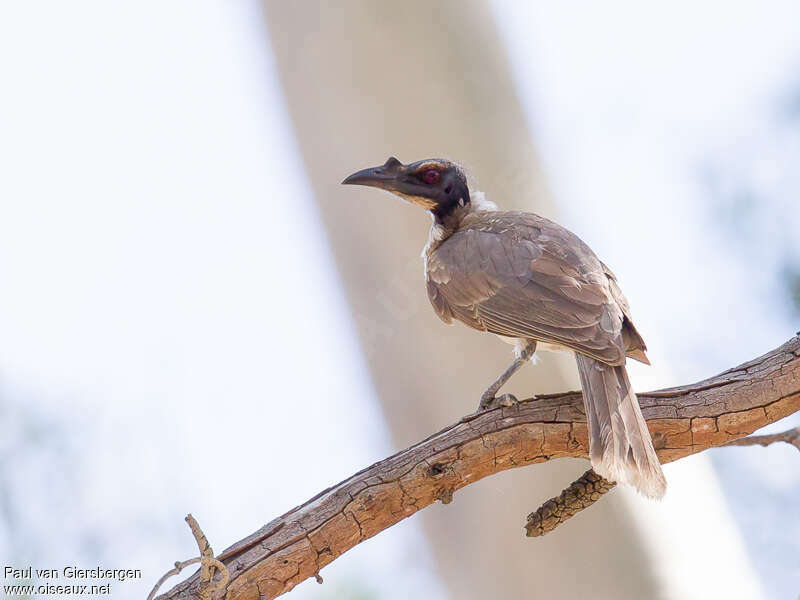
(581, 494)
(682, 421)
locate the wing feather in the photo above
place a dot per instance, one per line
(519, 275)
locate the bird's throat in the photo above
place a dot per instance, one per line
(447, 222)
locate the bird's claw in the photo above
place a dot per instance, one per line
(490, 402)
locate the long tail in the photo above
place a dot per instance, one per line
(620, 446)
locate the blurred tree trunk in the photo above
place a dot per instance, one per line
(365, 80)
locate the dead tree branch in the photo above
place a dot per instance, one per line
(682, 421)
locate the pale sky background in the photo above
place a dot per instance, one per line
(152, 325)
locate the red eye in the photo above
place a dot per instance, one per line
(431, 176)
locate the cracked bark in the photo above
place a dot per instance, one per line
(682, 420)
(581, 494)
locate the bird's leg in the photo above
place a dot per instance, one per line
(488, 397)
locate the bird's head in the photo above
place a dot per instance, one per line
(435, 184)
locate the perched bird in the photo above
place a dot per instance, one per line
(532, 282)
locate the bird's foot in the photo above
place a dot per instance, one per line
(489, 402)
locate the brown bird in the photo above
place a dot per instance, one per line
(530, 281)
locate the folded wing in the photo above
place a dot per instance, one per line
(519, 275)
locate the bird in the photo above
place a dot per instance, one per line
(534, 284)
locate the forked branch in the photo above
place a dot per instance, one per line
(682, 421)
(590, 487)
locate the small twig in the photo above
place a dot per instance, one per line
(791, 436)
(582, 493)
(180, 565)
(207, 564)
(207, 571)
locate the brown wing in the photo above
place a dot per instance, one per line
(634, 344)
(519, 275)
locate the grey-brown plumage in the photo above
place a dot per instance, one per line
(523, 277)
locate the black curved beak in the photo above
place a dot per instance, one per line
(384, 177)
(373, 177)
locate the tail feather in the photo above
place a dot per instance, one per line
(620, 446)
